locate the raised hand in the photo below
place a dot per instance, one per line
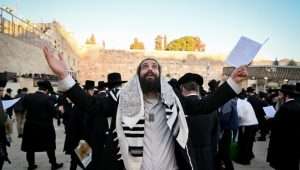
(239, 74)
(57, 64)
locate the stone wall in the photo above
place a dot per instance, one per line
(20, 57)
(95, 64)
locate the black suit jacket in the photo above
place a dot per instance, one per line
(284, 145)
(195, 106)
(203, 137)
(96, 110)
(203, 125)
(39, 132)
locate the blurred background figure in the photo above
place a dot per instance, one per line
(19, 111)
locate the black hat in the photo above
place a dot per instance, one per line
(298, 87)
(289, 89)
(89, 84)
(3, 83)
(250, 89)
(213, 84)
(114, 79)
(49, 85)
(262, 94)
(189, 77)
(3, 80)
(43, 84)
(101, 85)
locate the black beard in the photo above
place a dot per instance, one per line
(150, 86)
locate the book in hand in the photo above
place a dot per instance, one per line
(84, 153)
(269, 111)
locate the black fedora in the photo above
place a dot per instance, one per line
(101, 85)
(298, 87)
(44, 85)
(89, 84)
(114, 79)
(191, 77)
(289, 89)
(3, 80)
(250, 90)
(213, 84)
(49, 85)
(3, 83)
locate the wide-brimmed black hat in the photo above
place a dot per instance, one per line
(3, 80)
(3, 83)
(191, 77)
(298, 87)
(250, 89)
(45, 85)
(213, 84)
(49, 85)
(101, 85)
(114, 79)
(89, 84)
(289, 89)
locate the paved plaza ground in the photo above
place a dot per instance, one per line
(19, 160)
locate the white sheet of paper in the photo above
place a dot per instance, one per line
(270, 111)
(244, 52)
(9, 103)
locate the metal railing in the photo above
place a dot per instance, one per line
(35, 34)
(22, 29)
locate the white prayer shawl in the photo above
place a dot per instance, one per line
(246, 113)
(130, 120)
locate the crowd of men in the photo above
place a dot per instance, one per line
(149, 123)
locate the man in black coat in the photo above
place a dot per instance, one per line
(203, 128)
(19, 111)
(284, 146)
(258, 105)
(8, 96)
(298, 91)
(110, 98)
(39, 132)
(3, 117)
(74, 130)
(149, 69)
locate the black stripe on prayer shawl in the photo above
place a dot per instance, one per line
(133, 129)
(175, 126)
(169, 109)
(136, 150)
(168, 112)
(130, 135)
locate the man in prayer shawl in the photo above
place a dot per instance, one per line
(151, 129)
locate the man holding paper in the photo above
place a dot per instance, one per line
(150, 124)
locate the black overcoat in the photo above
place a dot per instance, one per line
(284, 146)
(39, 132)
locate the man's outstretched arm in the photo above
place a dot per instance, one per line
(67, 83)
(228, 90)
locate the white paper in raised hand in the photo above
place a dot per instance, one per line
(270, 111)
(9, 103)
(244, 52)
